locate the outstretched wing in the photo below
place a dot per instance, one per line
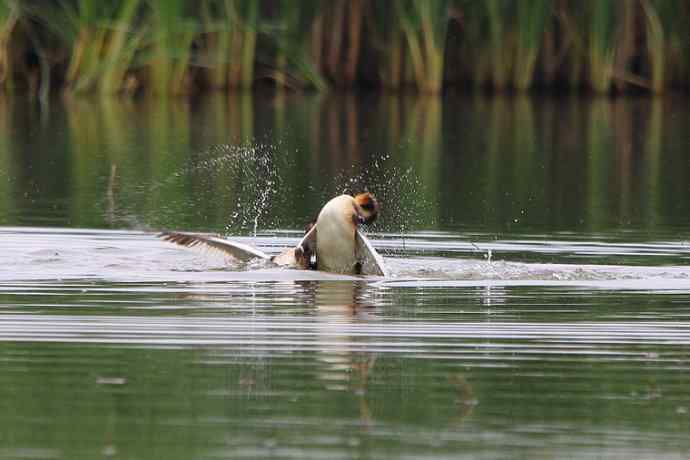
(237, 250)
(370, 260)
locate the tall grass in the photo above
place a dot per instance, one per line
(423, 24)
(176, 46)
(601, 47)
(77, 25)
(248, 14)
(294, 62)
(342, 40)
(667, 41)
(124, 42)
(572, 23)
(172, 32)
(9, 16)
(230, 27)
(387, 41)
(217, 33)
(498, 13)
(98, 35)
(532, 17)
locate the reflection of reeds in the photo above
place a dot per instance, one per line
(599, 146)
(526, 170)
(85, 139)
(653, 146)
(240, 118)
(7, 163)
(623, 126)
(423, 131)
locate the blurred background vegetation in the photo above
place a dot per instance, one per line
(179, 47)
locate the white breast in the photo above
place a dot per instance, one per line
(335, 236)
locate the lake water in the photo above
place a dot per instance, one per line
(538, 307)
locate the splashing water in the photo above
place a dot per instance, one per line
(251, 175)
(237, 180)
(245, 182)
(263, 200)
(488, 254)
(404, 199)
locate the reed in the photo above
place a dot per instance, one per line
(678, 43)
(111, 46)
(97, 37)
(386, 39)
(343, 40)
(572, 21)
(473, 50)
(667, 44)
(500, 52)
(172, 32)
(216, 34)
(75, 25)
(9, 16)
(532, 17)
(655, 45)
(294, 62)
(423, 24)
(250, 15)
(123, 44)
(230, 28)
(601, 44)
(354, 33)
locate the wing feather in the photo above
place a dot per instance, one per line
(371, 261)
(234, 249)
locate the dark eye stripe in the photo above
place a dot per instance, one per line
(369, 206)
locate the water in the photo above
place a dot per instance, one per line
(539, 303)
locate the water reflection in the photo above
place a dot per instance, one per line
(345, 366)
(349, 360)
(500, 164)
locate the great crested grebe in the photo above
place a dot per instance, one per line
(332, 243)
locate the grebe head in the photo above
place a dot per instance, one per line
(366, 208)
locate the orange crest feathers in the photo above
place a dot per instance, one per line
(368, 207)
